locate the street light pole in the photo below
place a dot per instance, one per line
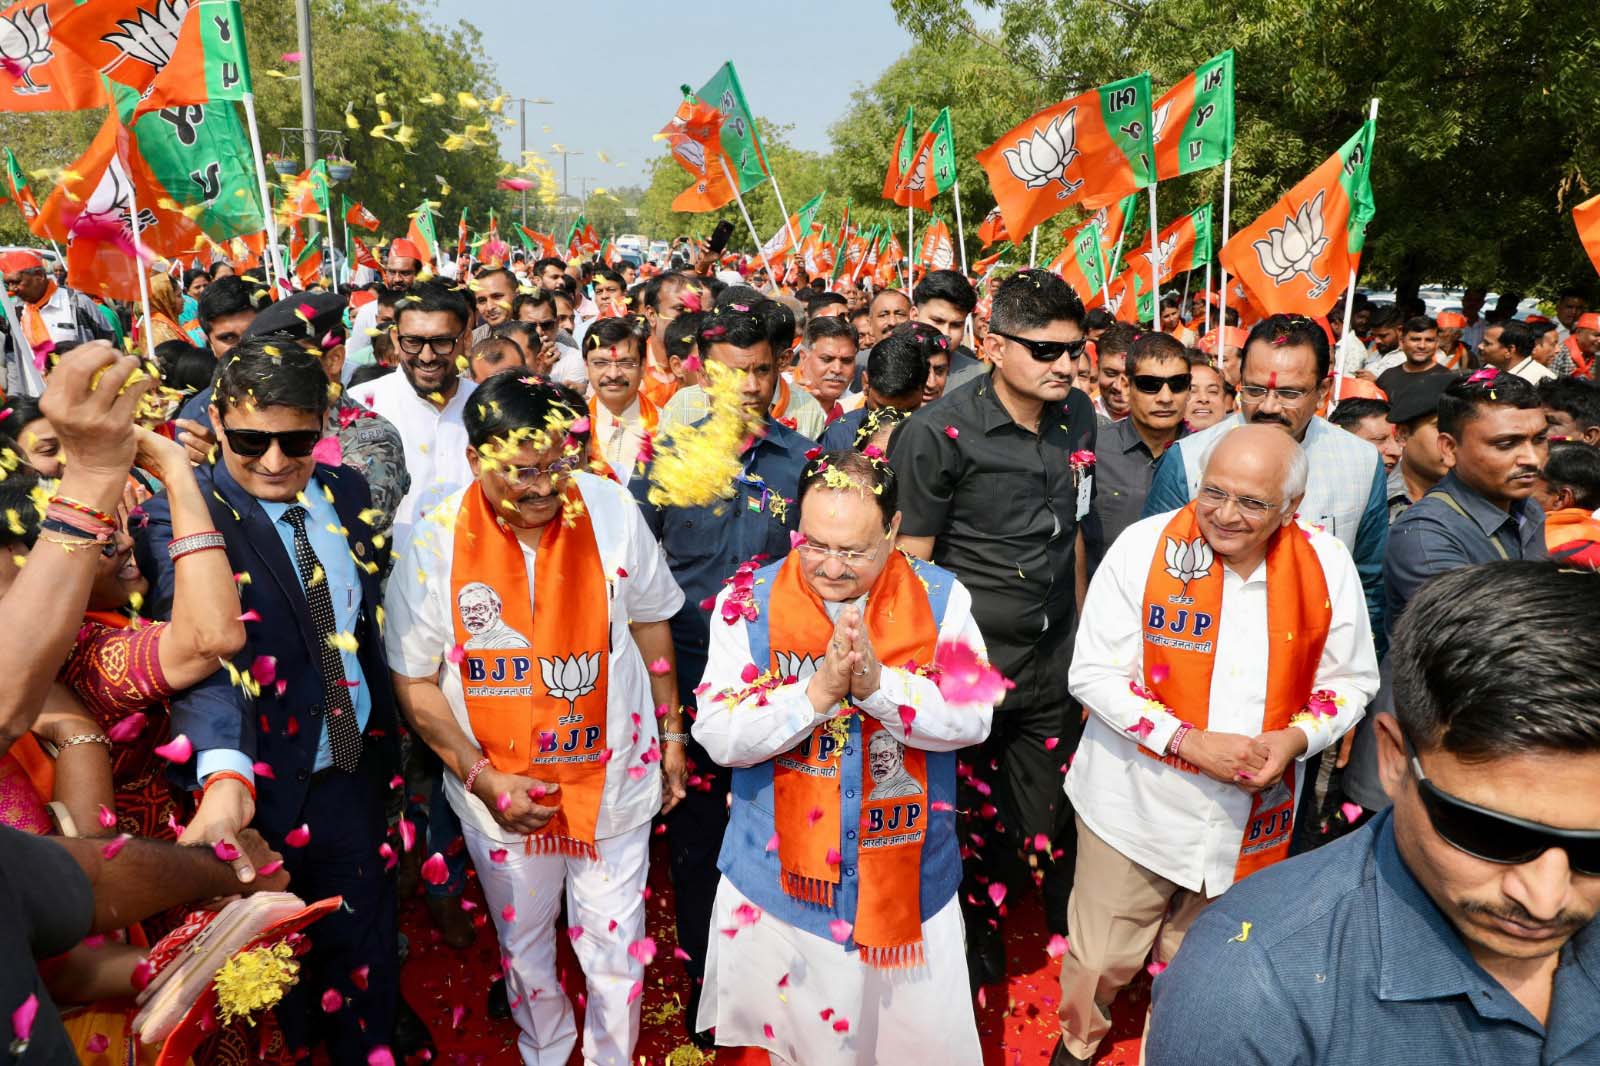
(522, 158)
(308, 93)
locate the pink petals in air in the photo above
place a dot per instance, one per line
(128, 728)
(177, 750)
(298, 837)
(515, 184)
(965, 677)
(328, 452)
(434, 870)
(840, 930)
(1142, 728)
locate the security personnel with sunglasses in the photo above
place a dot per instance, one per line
(299, 732)
(1459, 925)
(994, 478)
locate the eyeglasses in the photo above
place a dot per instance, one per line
(413, 345)
(1248, 506)
(526, 475)
(1257, 393)
(254, 443)
(548, 325)
(816, 553)
(1501, 838)
(1045, 351)
(603, 365)
(1152, 384)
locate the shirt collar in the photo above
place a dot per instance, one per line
(1125, 436)
(993, 414)
(1488, 517)
(1396, 488)
(312, 499)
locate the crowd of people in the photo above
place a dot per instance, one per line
(1233, 641)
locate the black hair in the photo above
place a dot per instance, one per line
(951, 287)
(1099, 318)
(653, 288)
(821, 301)
(537, 298)
(220, 264)
(230, 295)
(1420, 324)
(683, 333)
(1385, 318)
(514, 400)
(265, 372)
(876, 420)
(525, 329)
(435, 296)
(612, 276)
(492, 344)
(20, 410)
(741, 295)
(549, 260)
(1348, 414)
(1485, 692)
(184, 366)
(742, 329)
(1460, 400)
(388, 297)
(1575, 465)
(1033, 299)
(1151, 346)
(780, 323)
(1117, 339)
(369, 372)
(20, 513)
(886, 292)
(1518, 337)
(897, 366)
(1171, 299)
(1577, 399)
(1570, 291)
(873, 476)
(1297, 331)
(193, 275)
(490, 272)
(609, 332)
(837, 327)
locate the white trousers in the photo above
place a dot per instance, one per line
(524, 896)
(900, 1017)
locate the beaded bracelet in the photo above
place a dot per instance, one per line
(84, 738)
(472, 774)
(196, 542)
(229, 775)
(84, 509)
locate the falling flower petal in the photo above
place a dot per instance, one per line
(112, 847)
(177, 750)
(498, 855)
(107, 818)
(331, 1001)
(22, 1019)
(907, 716)
(225, 851)
(1057, 946)
(660, 666)
(97, 1044)
(840, 930)
(271, 868)
(292, 57)
(643, 949)
(380, 1056)
(328, 452)
(434, 870)
(508, 913)
(1155, 969)
(965, 677)
(997, 893)
(128, 728)
(952, 432)
(1142, 728)
(298, 837)
(1351, 811)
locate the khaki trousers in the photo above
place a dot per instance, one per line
(1118, 911)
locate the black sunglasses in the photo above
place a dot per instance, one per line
(1045, 351)
(1501, 838)
(1152, 384)
(254, 443)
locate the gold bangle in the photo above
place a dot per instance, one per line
(84, 738)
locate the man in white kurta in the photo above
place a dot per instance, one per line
(522, 885)
(1155, 841)
(807, 999)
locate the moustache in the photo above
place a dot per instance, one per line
(1262, 419)
(1567, 922)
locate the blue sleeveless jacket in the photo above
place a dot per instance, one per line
(754, 870)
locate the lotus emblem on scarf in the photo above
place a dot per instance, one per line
(570, 678)
(153, 36)
(1187, 562)
(25, 43)
(1045, 155)
(1292, 249)
(799, 667)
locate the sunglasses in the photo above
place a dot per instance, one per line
(1045, 351)
(1152, 384)
(1501, 838)
(254, 443)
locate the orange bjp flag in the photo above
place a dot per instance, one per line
(1094, 148)
(35, 74)
(1586, 216)
(992, 229)
(358, 215)
(169, 52)
(695, 136)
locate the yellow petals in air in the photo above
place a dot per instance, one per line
(1244, 934)
(468, 102)
(433, 99)
(696, 466)
(344, 641)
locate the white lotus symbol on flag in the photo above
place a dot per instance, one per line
(1187, 562)
(153, 36)
(1164, 253)
(1114, 303)
(1158, 121)
(799, 667)
(943, 254)
(570, 678)
(691, 152)
(1292, 249)
(1045, 155)
(25, 43)
(110, 202)
(918, 178)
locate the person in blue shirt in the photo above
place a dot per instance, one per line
(1459, 925)
(704, 547)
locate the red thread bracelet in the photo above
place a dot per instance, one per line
(229, 775)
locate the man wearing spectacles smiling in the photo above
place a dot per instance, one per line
(1459, 925)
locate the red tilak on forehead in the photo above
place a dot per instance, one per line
(1272, 380)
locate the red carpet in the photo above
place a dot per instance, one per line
(1017, 1022)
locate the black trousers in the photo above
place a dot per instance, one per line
(345, 813)
(694, 837)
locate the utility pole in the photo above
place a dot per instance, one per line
(564, 153)
(522, 158)
(308, 93)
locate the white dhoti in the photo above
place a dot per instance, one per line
(921, 1016)
(599, 892)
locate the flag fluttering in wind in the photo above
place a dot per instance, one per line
(1184, 245)
(534, 241)
(35, 74)
(1193, 121)
(899, 161)
(992, 229)
(1094, 148)
(1128, 297)
(1111, 220)
(933, 167)
(306, 195)
(1586, 216)
(695, 137)
(357, 215)
(1080, 264)
(581, 238)
(421, 233)
(168, 51)
(462, 236)
(938, 251)
(363, 255)
(741, 143)
(306, 257)
(799, 225)
(20, 192)
(1297, 257)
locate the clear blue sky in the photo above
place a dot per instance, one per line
(798, 62)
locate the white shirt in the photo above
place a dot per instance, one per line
(1351, 354)
(420, 632)
(569, 368)
(619, 438)
(435, 440)
(737, 734)
(1183, 826)
(1532, 371)
(60, 315)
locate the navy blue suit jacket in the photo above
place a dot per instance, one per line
(280, 731)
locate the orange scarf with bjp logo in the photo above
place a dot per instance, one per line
(536, 690)
(806, 780)
(1182, 618)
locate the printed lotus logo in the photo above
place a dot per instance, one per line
(1188, 562)
(570, 678)
(25, 43)
(1290, 250)
(691, 152)
(918, 178)
(153, 36)
(109, 204)
(799, 667)
(1165, 250)
(943, 254)
(1158, 121)
(1045, 155)
(1114, 303)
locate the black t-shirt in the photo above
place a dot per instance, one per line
(1396, 380)
(46, 907)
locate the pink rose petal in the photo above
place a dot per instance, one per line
(997, 893)
(298, 837)
(271, 868)
(22, 1018)
(643, 949)
(331, 1001)
(224, 851)
(434, 870)
(128, 728)
(1057, 946)
(1351, 811)
(840, 930)
(177, 750)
